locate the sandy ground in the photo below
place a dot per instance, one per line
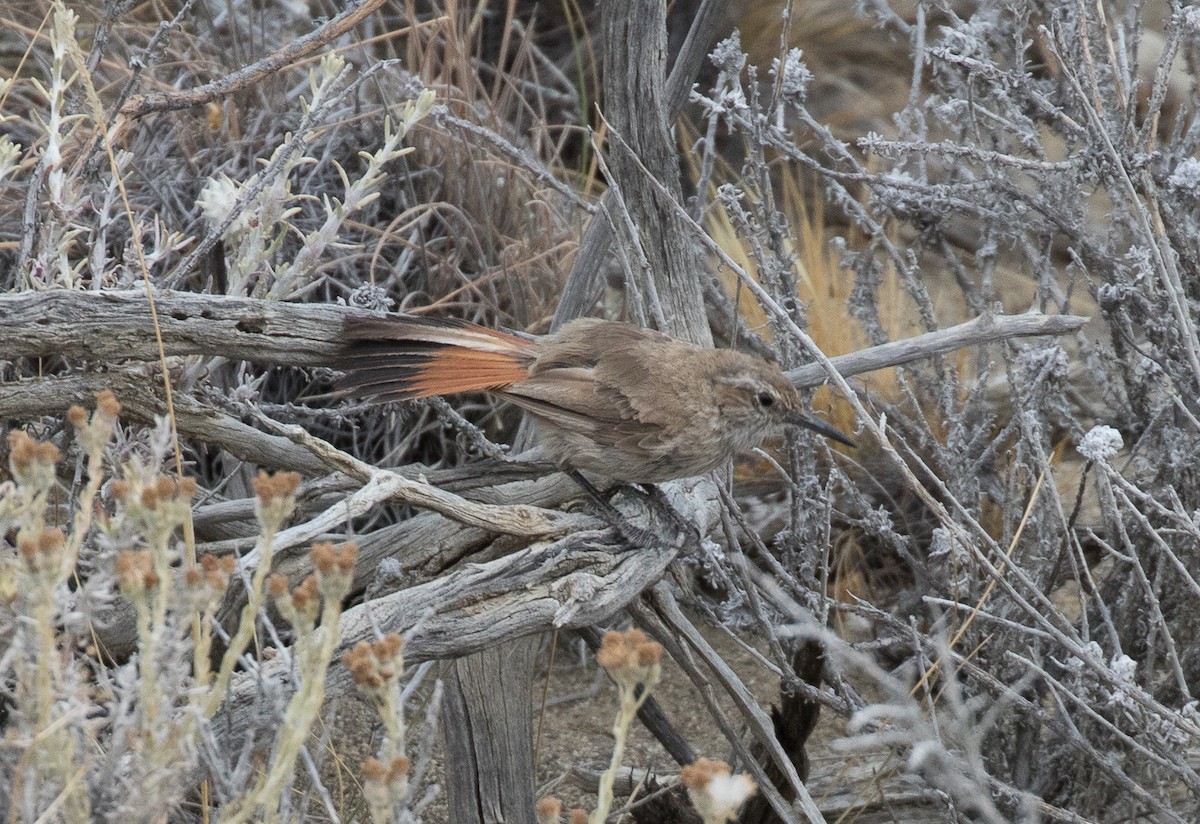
(576, 725)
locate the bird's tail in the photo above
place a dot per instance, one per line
(401, 357)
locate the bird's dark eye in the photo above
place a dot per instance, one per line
(765, 399)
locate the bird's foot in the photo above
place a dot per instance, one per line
(684, 525)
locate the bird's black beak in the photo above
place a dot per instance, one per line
(820, 427)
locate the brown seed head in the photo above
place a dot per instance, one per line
(548, 810)
(634, 636)
(25, 453)
(373, 770)
(217, 571)
(649, 653)
(356, 651)
(77, 417)
(716, 793)
(389, 645)
(51, 540)
(401, 765)
(28, 547)
(20, 448)
(354, 655)
(277, 585)
(346, 557)
(323, 557)
(365, 675)
(135, 571)
(47, 453)
(374, 665)
(279, 485)
(43, 553)
(623, 650)
(697, 774)
(107, 403)
(306, 595)
(613, 653)
(125, 562)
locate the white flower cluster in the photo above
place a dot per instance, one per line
(1101, 443)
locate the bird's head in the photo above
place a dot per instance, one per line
(757, 401)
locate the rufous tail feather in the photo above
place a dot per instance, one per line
(402, 357)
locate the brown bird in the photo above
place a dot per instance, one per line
(626, 404)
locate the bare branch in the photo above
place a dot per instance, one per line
(982, 330)
(108, 326)
(245, 77)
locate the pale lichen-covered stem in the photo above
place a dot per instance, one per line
(631, 700)
(246, 623)
(314, 650)
(83, 514)
(152, 609)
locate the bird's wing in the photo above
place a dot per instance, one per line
(571, 398)
(566, 398)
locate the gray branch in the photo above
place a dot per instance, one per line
(111, 326)
(114, 326)
(983, 329)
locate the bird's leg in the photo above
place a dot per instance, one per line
(633, 535)
(609, 511)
